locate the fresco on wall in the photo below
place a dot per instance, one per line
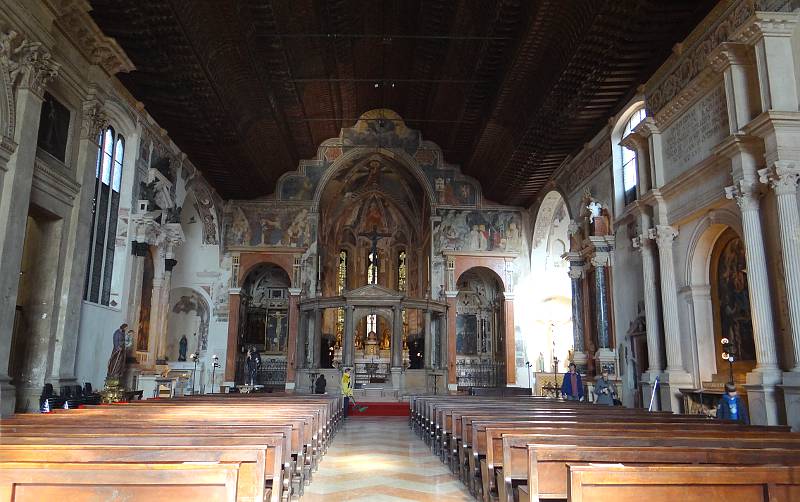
(734, 299)
(462, 230)
(194, 303)
(253, 225)
(301, 186)
(381, 128)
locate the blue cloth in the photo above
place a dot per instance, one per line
(732, 408)
(346, 406)
(566, 386)
(119, 339)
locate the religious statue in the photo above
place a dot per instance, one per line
(182, 346)
(385, 340)
(116, 363)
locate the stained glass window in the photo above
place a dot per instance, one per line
(402, 272)
(341, 283)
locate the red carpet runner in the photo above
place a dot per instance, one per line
(398, 409)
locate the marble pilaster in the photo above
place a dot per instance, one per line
(428, 361)
(762, 380)
(16, 191)
(579, 357)
(316, 344)
(605, 356)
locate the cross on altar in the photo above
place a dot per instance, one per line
(374, 236)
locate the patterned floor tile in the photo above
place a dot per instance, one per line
(380, 459)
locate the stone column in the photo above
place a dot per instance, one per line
(675, 375)
(302, 339)
(735, 62)
(579, 357)
(783, 178)
(397, 346)
(761, 382)
(163, 311)
(605, 356)
(652, 320)
(68, 299)
(36, 70)
(234, 309)
(428, 362)
(292, 361)
(450, 344)
(510, 342)
(316, 342)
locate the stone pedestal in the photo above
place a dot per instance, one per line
(671, 383)
(606, 358)
(791, 397)
(761, 396)
(397, 375)
(647, 384)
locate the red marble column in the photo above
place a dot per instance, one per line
(511, 348)
(233, 331)
(291, 345)
(451, 340)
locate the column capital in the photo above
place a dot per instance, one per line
(93, 121)
(37, 67)
(782, 177)
(766, 24)
(635, 142)
(730, 54)
(576, 271)
(602, 259)
(745, 194)
(664, 235)
(641, 242)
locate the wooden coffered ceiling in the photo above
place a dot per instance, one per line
(507, 88)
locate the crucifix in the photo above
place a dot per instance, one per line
(278, 316)
(373, 236)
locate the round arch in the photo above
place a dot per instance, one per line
(8, 114)
(346, 160)
(698, 280)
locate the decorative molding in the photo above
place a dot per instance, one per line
(690, 59)
(97, 48)
(93, 121)
(55, 183)
(577, 173)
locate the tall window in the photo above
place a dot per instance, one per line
(372, 268)
(105, 205)
(402, 272)
(629, 175)
(372, 323)
(341, 282)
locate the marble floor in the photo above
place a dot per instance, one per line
(379, 459)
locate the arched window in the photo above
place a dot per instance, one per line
(105, 206)
(402, 272)
(341, 284)
(629, 175)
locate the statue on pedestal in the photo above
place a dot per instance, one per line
(182, 345)
(113, 391)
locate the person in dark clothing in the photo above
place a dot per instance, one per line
(572, 386)
(731, 406)
(319, 384)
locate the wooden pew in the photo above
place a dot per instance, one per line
(687, 483)
(36, 482)
(547, 476)
(256, 463)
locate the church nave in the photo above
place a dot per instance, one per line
(377, 459)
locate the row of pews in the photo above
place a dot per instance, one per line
(517, 449)
(226, 447)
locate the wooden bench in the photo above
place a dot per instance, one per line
(687, 483)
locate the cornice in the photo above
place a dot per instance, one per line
(73, 19)
(55, 183)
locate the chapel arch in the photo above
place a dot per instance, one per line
(189, 316)
(715, 298)
(547, 323)
(480, 328)
(264, 321)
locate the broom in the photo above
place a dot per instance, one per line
(355, 404)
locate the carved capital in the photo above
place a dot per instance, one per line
(37, 67)
(635, 142)
(575, 272)
(94, 120)
(745, 195)
(782, 177)
(641, 242)
(664, 235)
(730, 54)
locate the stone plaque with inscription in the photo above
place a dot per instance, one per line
(690, 138)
